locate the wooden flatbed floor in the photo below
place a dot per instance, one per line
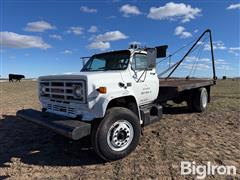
(184, 84)
(171, 88)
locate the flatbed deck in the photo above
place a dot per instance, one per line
(184, 84)
(171, 88)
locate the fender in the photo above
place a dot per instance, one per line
(100, 107)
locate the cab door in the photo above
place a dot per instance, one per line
(144, 79)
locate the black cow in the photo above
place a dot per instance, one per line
(18, 77)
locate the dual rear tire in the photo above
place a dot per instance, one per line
(199, 100)
(117, 134)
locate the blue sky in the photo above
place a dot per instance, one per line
(49, 37)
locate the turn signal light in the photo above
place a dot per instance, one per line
(102, 90)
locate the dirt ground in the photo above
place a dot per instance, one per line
(28, 151)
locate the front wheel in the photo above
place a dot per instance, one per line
(117, 135)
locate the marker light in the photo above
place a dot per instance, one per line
(102, 90)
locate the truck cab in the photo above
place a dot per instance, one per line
(106, 79)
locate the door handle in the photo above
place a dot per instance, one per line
(152, 73)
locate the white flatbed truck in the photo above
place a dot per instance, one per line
(114, 96)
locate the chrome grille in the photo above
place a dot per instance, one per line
(62, 90)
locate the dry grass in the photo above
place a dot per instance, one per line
(28, 151)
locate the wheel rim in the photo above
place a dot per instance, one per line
(120, 135)
(204, 99)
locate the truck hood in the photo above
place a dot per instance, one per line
(94, 77)
(93, 81)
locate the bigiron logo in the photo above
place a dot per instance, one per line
(201, 171)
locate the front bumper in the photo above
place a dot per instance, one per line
(69, 109)
(73, 129)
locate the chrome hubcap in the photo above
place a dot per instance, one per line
(120, 135)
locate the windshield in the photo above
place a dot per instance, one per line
(117, 60)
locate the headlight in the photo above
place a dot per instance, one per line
(42, 90)
(78, 92)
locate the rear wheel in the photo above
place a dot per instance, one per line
(117, 135)
(199, 100)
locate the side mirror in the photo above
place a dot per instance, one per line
(161, 51)
(151, 57)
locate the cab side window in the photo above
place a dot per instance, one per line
(139, 62)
